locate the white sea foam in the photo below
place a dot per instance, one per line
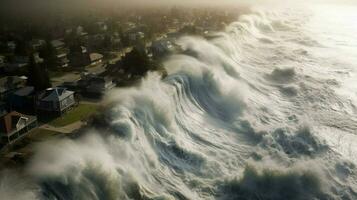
(248, 115)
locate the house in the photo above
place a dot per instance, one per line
(161, 48)
(96, 41)
(101, 26)
(79, 56)
(62, 60)
(22, 99)
(135, 35)
(37, 57)
(2, 63)
(3, 110)
(17, 63)
(37, 44)
(11, 45)
(10, 84)
(94, 84)
(174, 35)
(14, 126)
(115, 41)
(2, 60)
(99, 85)
(80, 31)
(61, 53)
(55, 101)
(57, 44)
(95, 58)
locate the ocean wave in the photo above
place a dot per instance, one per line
(269, 184)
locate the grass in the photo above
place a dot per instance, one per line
(81, 112)
(36, 135)
(40, 134)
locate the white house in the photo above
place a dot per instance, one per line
(15, 125)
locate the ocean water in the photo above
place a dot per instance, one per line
(265, 110)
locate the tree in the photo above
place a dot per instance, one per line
(137, 62)
(37, 75)
(48, 53)
(21, 48)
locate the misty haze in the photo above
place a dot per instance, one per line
(186, 100)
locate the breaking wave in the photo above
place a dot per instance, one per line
(240, 116)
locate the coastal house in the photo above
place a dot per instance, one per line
(79, 56)
(37, 44)
(161, 48)
(115, 41)
(57, 44)
(80, 31)
(95, 58)
(94, 84)
(2, 63)
(135, 36)
(17, 63)
(3, 110)
(99, 85)
(101, 26)
(62, 60)
(96, 41)
(15, 125)
(61, 53)
(10, 84)
(11, 46)
(22, 99)
(55, 101)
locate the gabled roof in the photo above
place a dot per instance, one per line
(9, 121)
(55, 94)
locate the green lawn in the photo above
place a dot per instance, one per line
(36, 135)
(81, 112)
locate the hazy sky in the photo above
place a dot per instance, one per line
(19, 7)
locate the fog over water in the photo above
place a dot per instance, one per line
(265, 110)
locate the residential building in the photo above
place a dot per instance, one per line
(96, 58)
(94, 84)
(2, 63)
(17, 63)
(14, 126)
(101, 26)
(3, 109)
(161, 48)
(57, 44)
(37, 44)
(55, 101)
(11, 45)
(99, 85)
(10, 84)
(61, 53)
(79, 56)
(23, 99)
(135, 36)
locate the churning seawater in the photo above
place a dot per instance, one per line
(265, 110)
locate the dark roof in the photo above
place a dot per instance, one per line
(55, 94)
(10, 82)
(26, 91)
